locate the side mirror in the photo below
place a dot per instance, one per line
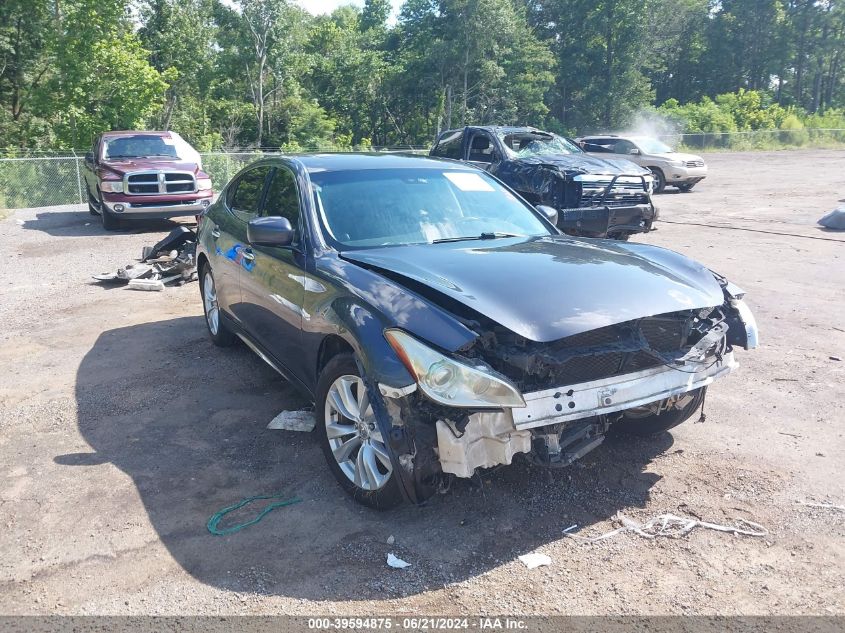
(634, 151)
(550, 213)
(89, 157)
(271, 231)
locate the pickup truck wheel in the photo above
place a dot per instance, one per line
(641, 422)
(93, 209)
(355, 450)
(659, 179)
(110, 222)
(220, 334)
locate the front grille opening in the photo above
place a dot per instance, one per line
(150, 183)
(592, 355)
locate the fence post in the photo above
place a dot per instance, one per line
(78, 181)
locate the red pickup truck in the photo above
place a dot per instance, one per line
(139, 175)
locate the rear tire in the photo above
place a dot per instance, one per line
(217, 330)
(659, 179)
(357, 455)
(659, 423)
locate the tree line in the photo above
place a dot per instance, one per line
(266, 73)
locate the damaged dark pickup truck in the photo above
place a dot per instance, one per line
(443, 325)
(594, 197)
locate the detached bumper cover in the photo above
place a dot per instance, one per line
(610, 395)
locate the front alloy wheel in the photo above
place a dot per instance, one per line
(351, 439)
(220, 335)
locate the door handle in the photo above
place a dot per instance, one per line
(215, 232)
(249, 255)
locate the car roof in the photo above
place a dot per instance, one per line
(128, 132)
(374, 160)
(505, 129)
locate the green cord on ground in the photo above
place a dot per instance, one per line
(218, 516)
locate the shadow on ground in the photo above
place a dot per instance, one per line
(81, 223)
(187, 421)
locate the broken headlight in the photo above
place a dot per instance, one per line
(449, 381)
(112, 186)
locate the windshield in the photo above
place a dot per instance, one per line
(148, 146)
(650, 145)
(390, 207)
(525, 144)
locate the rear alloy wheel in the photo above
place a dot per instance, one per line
(659, 179)
(355, 450)
(643, 420)
(220, 334)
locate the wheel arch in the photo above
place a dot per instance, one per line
(332, 345)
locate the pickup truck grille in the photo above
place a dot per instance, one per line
(695, 163)
(157, 183)
(626, 191)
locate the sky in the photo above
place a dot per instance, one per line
(327, 6)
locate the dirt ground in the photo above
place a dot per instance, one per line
(122, 430)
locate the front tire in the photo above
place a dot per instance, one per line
(217, 330)
(659, 179)
(357, 454)
(640, 422)
(93, 209)
(686, 188)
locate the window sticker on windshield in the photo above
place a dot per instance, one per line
(468, 181)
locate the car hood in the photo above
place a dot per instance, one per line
(547, 288)
(573, 164)
(124, 166)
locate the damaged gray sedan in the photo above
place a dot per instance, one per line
(442, 324)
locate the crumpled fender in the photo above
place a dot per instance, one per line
(373, 303)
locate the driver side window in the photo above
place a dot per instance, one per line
(245, 194)
(624, 147)
(283, 199)
(482, 149)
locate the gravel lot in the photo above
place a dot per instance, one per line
(122, 429)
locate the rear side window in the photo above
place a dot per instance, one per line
(245, 193)
(450, 145)
(606, 145)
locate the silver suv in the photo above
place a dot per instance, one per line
(669, 167)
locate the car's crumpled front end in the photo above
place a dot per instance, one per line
(554, 400)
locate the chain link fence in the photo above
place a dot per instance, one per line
(44, 181)
(48, 180)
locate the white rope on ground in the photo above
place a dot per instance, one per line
(672, 526)
(824, 506)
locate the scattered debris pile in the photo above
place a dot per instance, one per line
(172, 260)
(672, 526)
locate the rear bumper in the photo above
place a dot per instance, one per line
(603, 221)
(133, 209)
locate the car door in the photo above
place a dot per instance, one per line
(624, 147)
(241, 202)
(90, 168)
(273, 287)
(481, 150)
